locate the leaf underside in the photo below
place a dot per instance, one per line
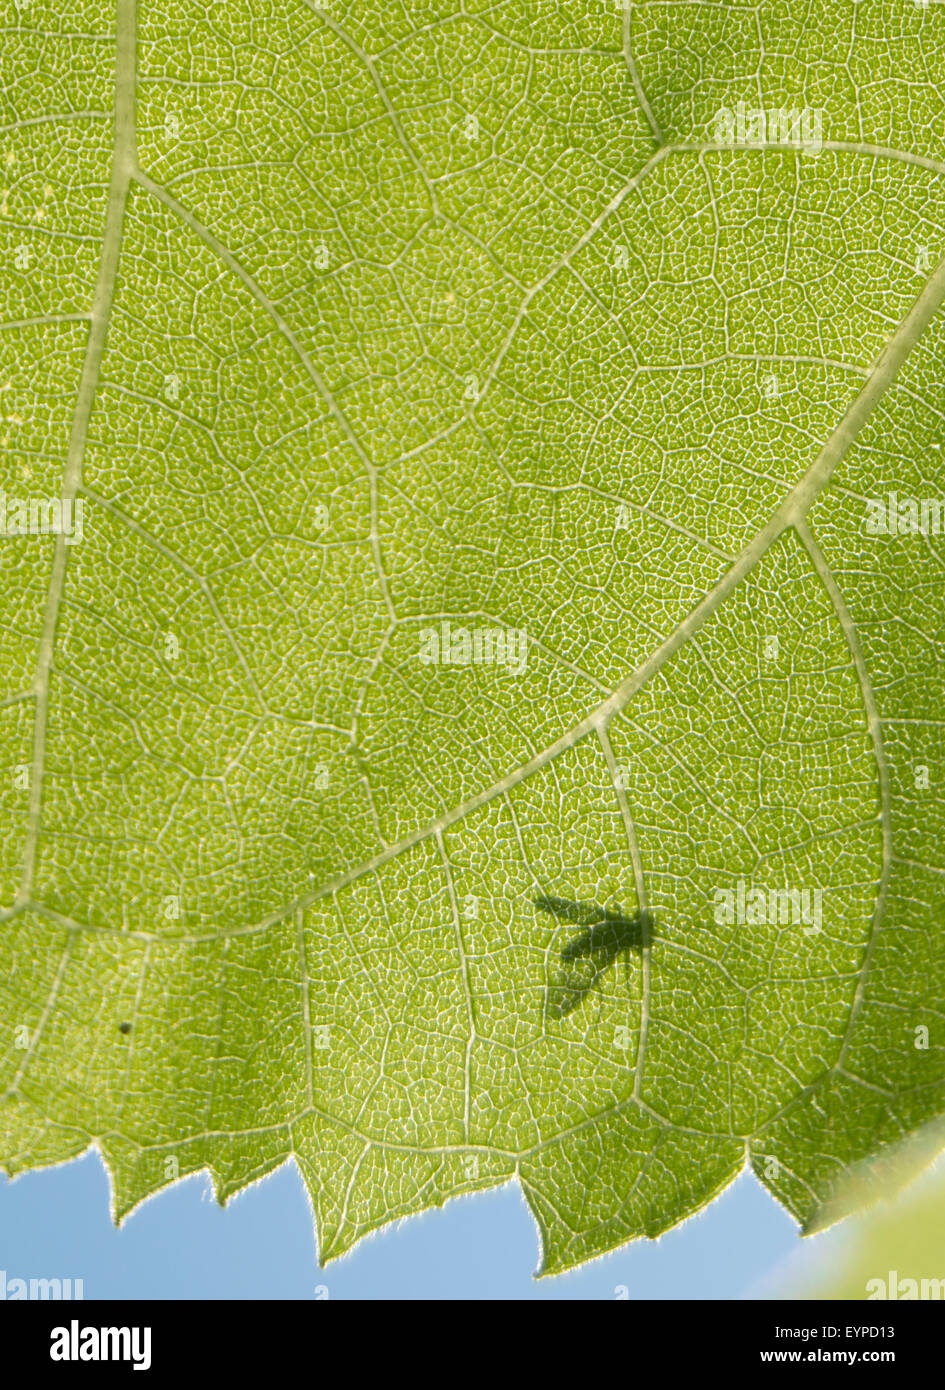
(343, 322)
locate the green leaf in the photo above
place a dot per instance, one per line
(896, 1249)
(360, 337)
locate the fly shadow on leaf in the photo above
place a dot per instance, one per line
(585, 957)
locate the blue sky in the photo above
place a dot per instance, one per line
(182, 1245)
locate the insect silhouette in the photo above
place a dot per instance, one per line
(584, 958)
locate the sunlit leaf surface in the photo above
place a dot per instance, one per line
(474, 426)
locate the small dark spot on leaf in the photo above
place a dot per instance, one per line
(124, 1027)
